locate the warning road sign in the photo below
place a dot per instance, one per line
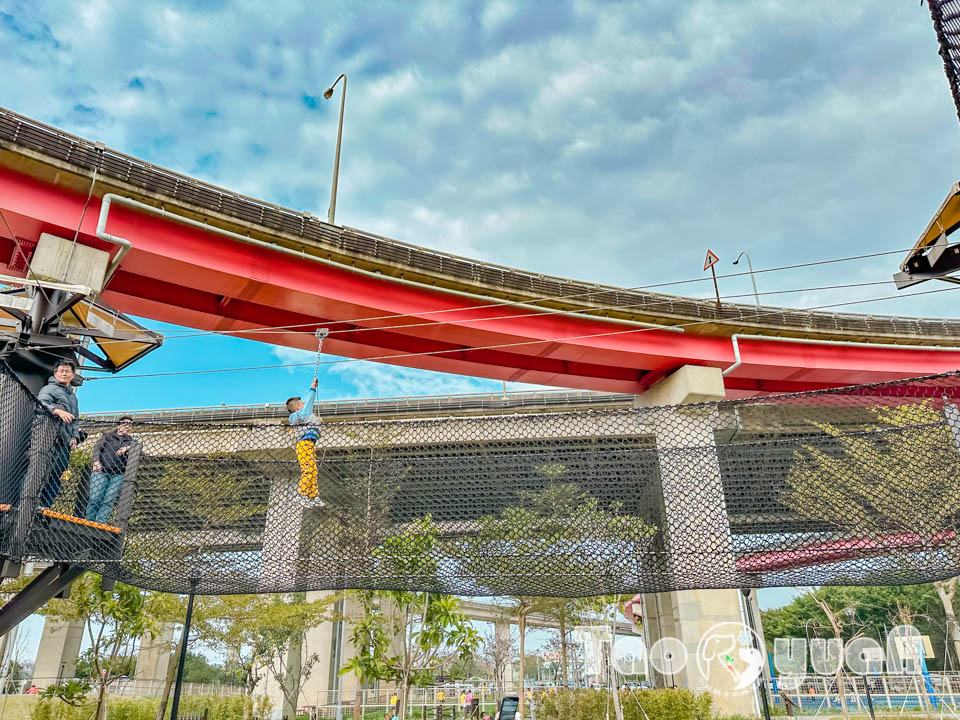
(711, 260)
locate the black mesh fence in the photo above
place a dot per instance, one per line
(946, 23)
(853, 486)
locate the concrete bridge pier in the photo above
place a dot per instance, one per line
(695, 543)
(58, 651)
(153, 657)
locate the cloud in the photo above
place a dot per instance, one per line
(607, 141)
(292, 356)
(369, 379)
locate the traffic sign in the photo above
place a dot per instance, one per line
(711, 260)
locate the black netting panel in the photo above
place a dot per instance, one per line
(946, 22)
(853, 486)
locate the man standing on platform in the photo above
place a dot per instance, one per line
(109, 465)
(60, 400)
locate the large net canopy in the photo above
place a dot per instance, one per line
(858, 485)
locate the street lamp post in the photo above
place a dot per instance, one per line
(327, 94)
(743, 254)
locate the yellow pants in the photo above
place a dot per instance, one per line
(306, 454)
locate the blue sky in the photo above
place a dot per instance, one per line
(611, 142)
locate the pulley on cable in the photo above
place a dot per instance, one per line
(321, 334)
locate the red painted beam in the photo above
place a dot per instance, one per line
(825, 553)
(198, 279)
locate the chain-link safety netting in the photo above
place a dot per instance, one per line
(946, 23)
(858, 485)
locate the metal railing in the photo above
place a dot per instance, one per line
(822, 694)
(138, 687)
(394, 257)
(411, 404)
(377, 702)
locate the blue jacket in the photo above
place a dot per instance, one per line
(56, 395)
(305, 416)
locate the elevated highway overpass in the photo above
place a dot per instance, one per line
(204, 257)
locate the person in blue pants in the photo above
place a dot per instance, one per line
(58, 398)
(109, 456)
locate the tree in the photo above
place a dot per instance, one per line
(430, 626)
(561, 610)
(560, 531)
(837, 625)
(523, 608)
(197, 669)
(279, 640)
(946, 590)
(371, 645)
(902, 476)
(875, 605)
(229, 624)
(113, 621)
(499, 650)
(85, 666)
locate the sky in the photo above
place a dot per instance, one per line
(612, 142)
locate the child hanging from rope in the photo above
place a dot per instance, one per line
(301, 413)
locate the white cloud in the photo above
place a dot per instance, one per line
(291, 356)
(377, 380)
(612, 142)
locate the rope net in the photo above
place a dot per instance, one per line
(946, 23)
(858, 485)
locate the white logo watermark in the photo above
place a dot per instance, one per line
(729, 658)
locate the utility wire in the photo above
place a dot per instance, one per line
(667, 328)
(530, 301)
(401, 356)
(279, 330)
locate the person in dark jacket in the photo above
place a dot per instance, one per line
(109, 465)
(60, 400)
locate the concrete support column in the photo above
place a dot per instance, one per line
(153, 657)
(501, 634)
(697, 541)
(697, 538)
(281, 536)
(57, 654)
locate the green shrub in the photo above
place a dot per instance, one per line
(230, 707)
(592, 705)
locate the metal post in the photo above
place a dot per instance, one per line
(331, 213)
(178, 686)
(762, 680)
(343, 621)
(866, 682)
(716, 288)
(753, 280)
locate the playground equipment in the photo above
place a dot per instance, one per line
(747, 493)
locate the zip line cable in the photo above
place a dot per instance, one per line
(667, 328)
(286, 329)
(277, 330)
(401, 356)
(545, 298)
